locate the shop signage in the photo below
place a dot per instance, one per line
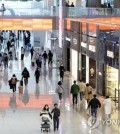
(92, 48)
(68, 39)
(110, 54)
(83, 45)
(74, 41)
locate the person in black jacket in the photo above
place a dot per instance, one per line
(45, 56)
(37, 75)
(25, 75)
(94, 104)
(61, 70)
(50, 57)
(56, 115)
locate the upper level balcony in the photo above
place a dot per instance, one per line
(78, 12)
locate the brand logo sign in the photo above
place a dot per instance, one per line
(110, 54)
(74, 41)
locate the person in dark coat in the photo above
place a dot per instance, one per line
(31, 51)
(8, 45)
(37, 75)
(45, 57)
(12, 82)
(25, 75)
(50, 57)
(94, 104)
(61, 70)
(56, 115)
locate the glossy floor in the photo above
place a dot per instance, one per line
(19, 114)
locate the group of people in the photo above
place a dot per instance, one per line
(46, 116)
(69, 5)
(82, 90)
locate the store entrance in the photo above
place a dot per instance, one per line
(84, 67)
(68, 55)
(68, 59)
(92, 73)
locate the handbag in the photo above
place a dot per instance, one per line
(90, 92)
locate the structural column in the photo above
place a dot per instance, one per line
(93, 3)
(116, 3)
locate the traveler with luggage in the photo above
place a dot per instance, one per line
(74, 91)
(12, 82)
(37, 75)
(56, 115)
(25, 75)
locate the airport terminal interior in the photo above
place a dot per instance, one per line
(84, 39)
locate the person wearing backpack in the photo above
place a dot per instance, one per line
(74, 91)
(37, 75)
(25, 75)
(13, 81)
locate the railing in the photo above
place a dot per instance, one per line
(81, 12)
(67, 12)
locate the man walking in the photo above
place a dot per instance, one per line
(82, 87)
(74, 91)
(56, 115)
(94, 103)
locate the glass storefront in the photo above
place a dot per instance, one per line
(111, 77)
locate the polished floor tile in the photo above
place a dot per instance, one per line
(20, 113)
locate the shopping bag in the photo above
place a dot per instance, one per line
(88, 112)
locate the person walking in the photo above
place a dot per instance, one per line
(25, 75)
(45, 56)
(74, 91)
(94, 104)
(88, 92)
(22, 53)
(31, 51)
(13, 81)
(59, 90)
(5, 60)
(56, 115)
(37, 75)
(40, 61)
(82, 87)
(61, 71)
(50, 57)
(108, 107)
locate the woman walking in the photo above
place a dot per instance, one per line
(37, 75)
(59, 90)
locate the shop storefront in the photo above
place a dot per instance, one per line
(74, 55)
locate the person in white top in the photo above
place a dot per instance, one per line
(82, 87)
(59, 90)
(108, 107)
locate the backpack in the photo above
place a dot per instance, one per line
(25, 74)
(6, 59)
(13, 81)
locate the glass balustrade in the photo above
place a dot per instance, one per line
(67, 12)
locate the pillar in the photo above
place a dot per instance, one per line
(116, 3)
(93, 3)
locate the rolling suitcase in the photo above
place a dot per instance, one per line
(21, 89)
(21, 83)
